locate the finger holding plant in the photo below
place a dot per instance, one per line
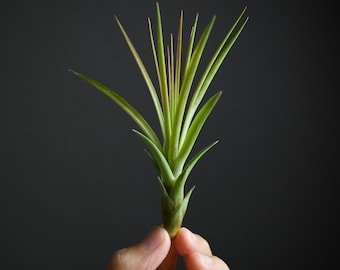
(179, 106)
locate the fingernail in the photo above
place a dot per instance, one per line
(154, 239)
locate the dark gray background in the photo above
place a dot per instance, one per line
(75, 183)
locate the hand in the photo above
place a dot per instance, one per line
(157, 252)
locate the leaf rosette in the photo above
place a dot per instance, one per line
(179, 106)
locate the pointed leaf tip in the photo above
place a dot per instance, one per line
(74, 72)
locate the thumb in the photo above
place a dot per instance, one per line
(146, 255)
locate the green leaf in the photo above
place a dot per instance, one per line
(191, 44)
(164, 167)
(218, 62)
(153, 161)
(167, 203)
(125, 106)
(146, 76)
(191, 164)
(192, 68)
(186, 86)
(177, 191)
(173, 218)
(186, 201)
(195, 129)
(154, 53)
(176, 125)
(178, 59)
(210, 72)
(163, 79)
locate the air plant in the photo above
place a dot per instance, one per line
(179, 107)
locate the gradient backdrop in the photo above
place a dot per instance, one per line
(75, 184)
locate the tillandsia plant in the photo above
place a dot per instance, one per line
(179, 108)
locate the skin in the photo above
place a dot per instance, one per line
(158, 252)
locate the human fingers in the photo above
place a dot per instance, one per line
(169, 263)
(197, 252)
(188, 242)
(199, 261)
(146, 255)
